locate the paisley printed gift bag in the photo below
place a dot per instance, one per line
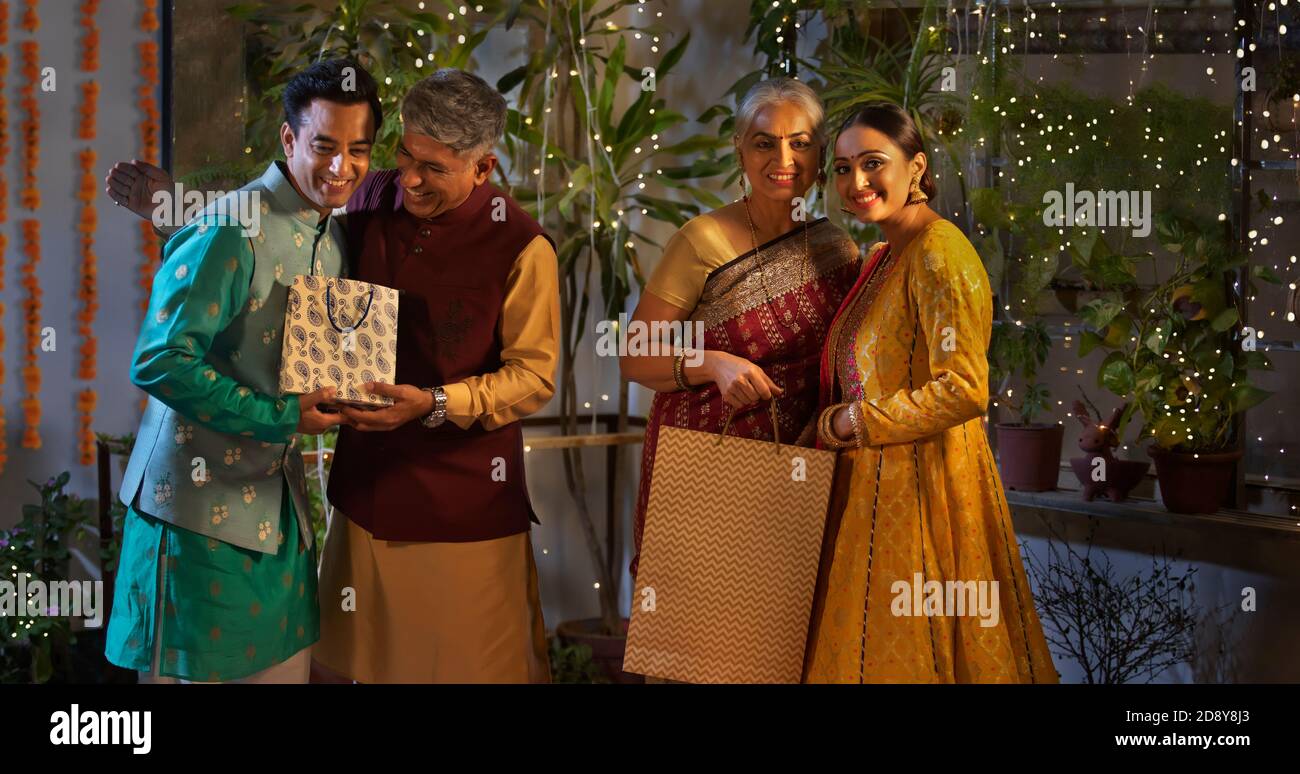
(339, 333)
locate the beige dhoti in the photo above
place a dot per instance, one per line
(413, 612)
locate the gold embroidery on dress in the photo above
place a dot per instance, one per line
(846, 331)
(737, 287)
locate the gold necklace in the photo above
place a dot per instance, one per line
(762, 273)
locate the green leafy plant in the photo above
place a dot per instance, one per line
(573, 664)
(1175, 351)
(118, 445)
(323, 444)
(33, 649)
(396, 42)
(584, 168)
(1020, 350)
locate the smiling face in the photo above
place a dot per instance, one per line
(779, 153)
(328, 154)
(872, 174)
(434, 177)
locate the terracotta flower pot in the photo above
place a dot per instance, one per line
(606, 649)
(1194, 483)
(1029, 456)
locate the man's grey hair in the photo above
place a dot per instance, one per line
(774, 91)
(456, 108)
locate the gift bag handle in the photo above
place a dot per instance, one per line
(329, 310)
(776, 427)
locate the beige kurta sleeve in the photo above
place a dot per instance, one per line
(530, 336)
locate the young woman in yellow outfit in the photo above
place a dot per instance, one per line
(922, 580)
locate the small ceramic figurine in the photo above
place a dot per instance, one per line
(1099, 472)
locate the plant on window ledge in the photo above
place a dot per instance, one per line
(1177, 352)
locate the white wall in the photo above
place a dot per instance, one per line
(116, 244)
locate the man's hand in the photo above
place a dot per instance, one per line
(409, 402)
(132, 185)
(312, 420)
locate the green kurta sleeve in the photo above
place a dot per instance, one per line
(200, 288)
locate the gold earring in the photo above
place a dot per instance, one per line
(915, 195)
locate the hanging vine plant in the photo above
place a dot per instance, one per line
(591, 150)
(396, 43)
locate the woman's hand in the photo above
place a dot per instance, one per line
(841, 425)
(741, 382)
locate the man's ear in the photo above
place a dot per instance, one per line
(287, 139)
(483, 168)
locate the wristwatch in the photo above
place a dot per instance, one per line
(439, 413)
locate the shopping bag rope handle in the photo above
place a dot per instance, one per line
(329, 309)
(776, 427)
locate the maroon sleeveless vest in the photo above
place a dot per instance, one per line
(436, 485)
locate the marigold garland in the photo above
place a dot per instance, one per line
(90, 38)
(32, 332)
(30, 199)
(30, 196)
(4, 210)
(87, 220)
(149, 131)
(88, 110)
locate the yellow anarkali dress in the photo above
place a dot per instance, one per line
(918, 513)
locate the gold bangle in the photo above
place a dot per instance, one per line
(679, 375)
(825, 428)
(821, 427)
(855, 419)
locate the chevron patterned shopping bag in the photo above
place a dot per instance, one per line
(733, 535)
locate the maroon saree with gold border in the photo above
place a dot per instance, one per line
(784, 337)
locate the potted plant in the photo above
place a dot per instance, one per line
(1177, 352)
(43, 647)
(1029, 453)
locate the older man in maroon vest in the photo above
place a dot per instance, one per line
(429, 574)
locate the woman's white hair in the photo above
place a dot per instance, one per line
(774, 91)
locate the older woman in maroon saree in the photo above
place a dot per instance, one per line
(763, 281)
